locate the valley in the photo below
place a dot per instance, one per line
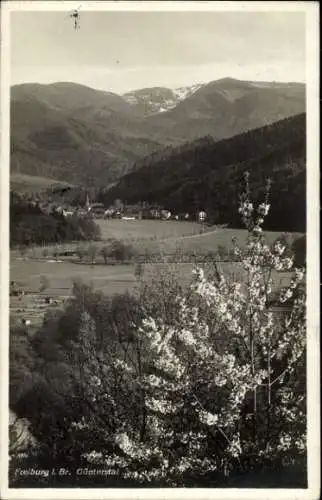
(158, 276)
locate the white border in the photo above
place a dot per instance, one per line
(312, 60)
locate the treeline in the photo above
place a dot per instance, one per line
(207, 175)
(29, 225)
(61, 194)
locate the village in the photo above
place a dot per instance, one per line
(118, 210)
(28, 303)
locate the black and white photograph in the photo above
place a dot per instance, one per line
(159, 249)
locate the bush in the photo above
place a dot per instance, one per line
(222, 252)
(120, 251)
(284, 241)
(44, 283)
(105, 253)
(92, 252)
(81, 252)
(139, 269)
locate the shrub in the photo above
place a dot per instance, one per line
(44, 283)
(92, 252)
(222, 252)
(105, 253)
(121, 251)
(284, 240)
(56, 252)
(23, 251)
(81, 252)
(138, 271)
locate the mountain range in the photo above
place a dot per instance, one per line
(73, 133)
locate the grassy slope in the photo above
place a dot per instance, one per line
(25, 182)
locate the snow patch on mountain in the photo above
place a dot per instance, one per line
(159, 99)
(184, 92)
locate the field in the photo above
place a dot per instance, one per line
(146, 236)
(165, 237)
(208, 241)
(147, 229)
(142, 234)
(60, 276)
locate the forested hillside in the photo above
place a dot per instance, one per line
(73, 133)
(30, 225)
(70, 132)
(206, 175)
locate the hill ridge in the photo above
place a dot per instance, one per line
(74, 133)
(212, 172)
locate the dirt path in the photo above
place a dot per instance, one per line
(189, 236)
(206, 233)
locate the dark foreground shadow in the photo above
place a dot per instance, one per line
(27, 476)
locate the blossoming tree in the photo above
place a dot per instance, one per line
(219, 388)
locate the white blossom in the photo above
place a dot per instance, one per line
(263, 209)
(208, 418)
(216, 357)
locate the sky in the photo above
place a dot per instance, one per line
(123, 51)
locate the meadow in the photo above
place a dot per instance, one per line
(60, 276)
(146, 237)
(168, 237)
(146, 229)
(159, 237)
(30, 183)
(207, 241)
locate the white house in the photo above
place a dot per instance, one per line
(165, 214)
(202, 216)
(109, 212)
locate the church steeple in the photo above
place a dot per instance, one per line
(87, 202)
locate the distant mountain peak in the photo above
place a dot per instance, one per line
(154, 100)
(228, 79)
